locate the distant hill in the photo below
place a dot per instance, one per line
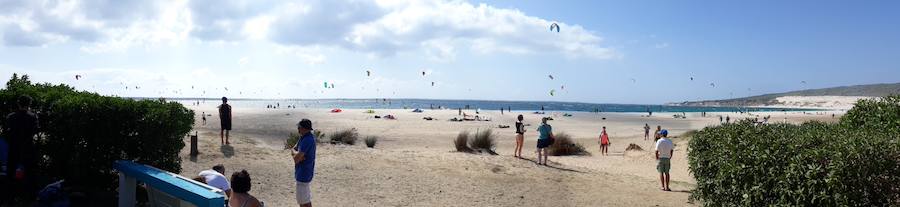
(873, 90)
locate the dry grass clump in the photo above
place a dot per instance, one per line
(564, 145)
(347, 136)
(481, 142)
(370, 141)
(462, 142)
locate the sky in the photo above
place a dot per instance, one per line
(637, 52)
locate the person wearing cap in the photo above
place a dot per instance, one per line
(544, 140)
(304, 154)
(225, 118)
(664, 151)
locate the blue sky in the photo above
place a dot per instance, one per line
(606, 51)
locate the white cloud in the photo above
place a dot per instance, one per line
(661, 45)
(309, 55)
(440, 29)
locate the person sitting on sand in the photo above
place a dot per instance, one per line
(304, 154)
(225, 118)
(215, 177)
(604, 142)
(241, 183)
(544, 140)
(646, 131)
(664, 151)
(520, 136)
(656, 134)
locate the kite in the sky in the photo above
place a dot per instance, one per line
(432, 83)
(554, 26)
(692, 78)
(712, 84)
(551, 77)
(77, 77)
(633, 80)
(368, 73)
(226, 88)
(562, 87)
(326, 84)
(803, 82)
(552, 92)
(423, 73)
(332, 85)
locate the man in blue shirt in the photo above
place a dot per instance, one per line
(304, 154)
(544, 140)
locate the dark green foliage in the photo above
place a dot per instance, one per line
(881, 114)
(347, 136)
(83, 133)
(563, 145)
(853, 163)
(370, 141)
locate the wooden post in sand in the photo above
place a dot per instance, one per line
(194, 150)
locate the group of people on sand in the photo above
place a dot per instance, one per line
(663, 145)
(303, 155)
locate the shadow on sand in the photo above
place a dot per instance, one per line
(227, 150)
(553, 165)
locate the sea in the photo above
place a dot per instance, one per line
(466, 104)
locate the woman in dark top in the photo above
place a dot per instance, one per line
(520, 136)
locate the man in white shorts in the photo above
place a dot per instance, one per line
(304, 154)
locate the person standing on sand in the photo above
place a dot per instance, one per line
(19, 129)
(545, 139)
(656, 135)
(520, 136)
(604, 142)
(304, 154)
(664, 151)
(646, 131)
(225, 118)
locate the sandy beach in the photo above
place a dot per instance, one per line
(415, 164)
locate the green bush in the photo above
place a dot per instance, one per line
(347, 136)
(853, 163)
(882, 114)
(370, 141)
(83, 133)
(565, 146)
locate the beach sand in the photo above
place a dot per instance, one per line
(415, 164)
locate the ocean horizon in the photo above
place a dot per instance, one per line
(373, 103)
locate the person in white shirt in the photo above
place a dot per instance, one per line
(664, 151)
(216, 178)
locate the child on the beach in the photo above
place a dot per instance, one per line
(604, 142)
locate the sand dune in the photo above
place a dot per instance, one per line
(414, 163)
